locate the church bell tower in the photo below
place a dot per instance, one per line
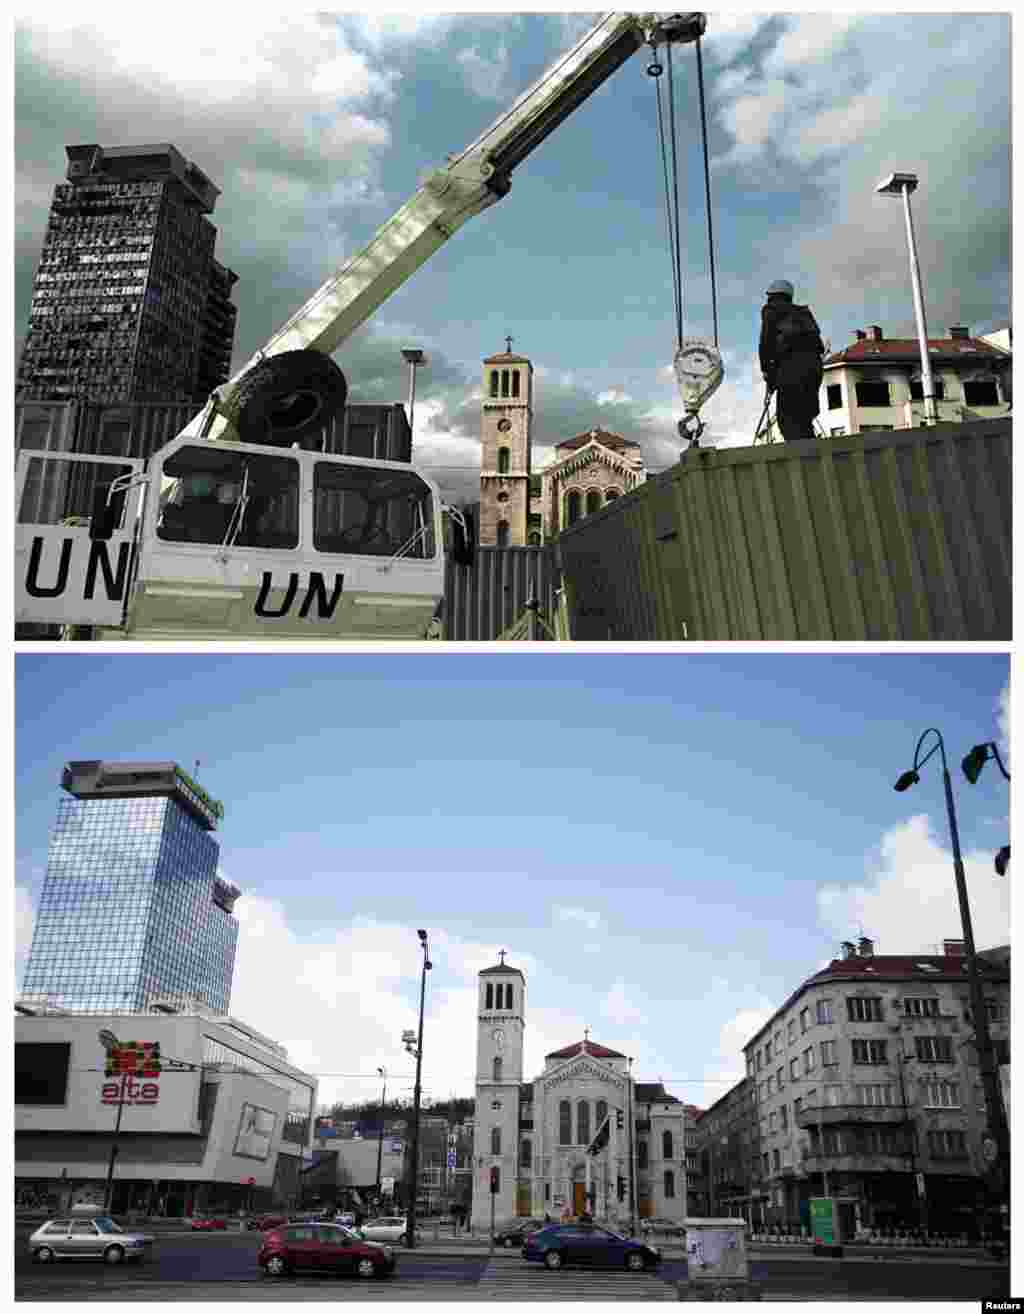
(505, 449)
(501, 1006)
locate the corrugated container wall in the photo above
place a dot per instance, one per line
(901, 535)
(482, 601)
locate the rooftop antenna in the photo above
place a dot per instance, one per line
(195, 770)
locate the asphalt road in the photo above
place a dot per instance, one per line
(223, 1267)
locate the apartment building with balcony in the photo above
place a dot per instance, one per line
(728, 1178)
(867, 1087)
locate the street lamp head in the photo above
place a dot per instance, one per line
(423, 936)
(974, 761)
(107, 1039)
(897, 183)
(413, 356)
(906, 780)
(428, 965)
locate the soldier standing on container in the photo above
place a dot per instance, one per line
(791, 350)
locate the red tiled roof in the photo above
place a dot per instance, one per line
(606, 439)
(900, 965)
(898, 348)
(597, 1051)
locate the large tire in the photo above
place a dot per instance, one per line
(634, 1261)
(113, 1254)
(276, 1266)
(45, 1255)
(553, 1259)
(508, 1243)
(289, 397)
(366, 1268)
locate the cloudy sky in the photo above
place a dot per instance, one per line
(665, 844)
(317, 128)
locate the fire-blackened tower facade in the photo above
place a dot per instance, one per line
(129, 303)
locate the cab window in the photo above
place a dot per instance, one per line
(208, 495)
(362, 511)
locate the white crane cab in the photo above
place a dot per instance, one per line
(243, 541)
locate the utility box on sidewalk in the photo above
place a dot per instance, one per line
(716, 1260)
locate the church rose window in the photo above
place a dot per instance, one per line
(564, 1122)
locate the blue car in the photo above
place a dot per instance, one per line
(590, 1244)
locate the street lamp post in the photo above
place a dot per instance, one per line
(413, 357)
(110, 1042)
(410, 1228)
(380, 1139)
(632, 1159)
(997, 1132)
(902, 184)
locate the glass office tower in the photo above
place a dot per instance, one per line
(132, 908)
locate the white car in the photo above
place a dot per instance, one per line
(87, 1238)
(390, 1228)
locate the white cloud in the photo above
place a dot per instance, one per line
(618, 1008)
(1003, 721)
(485, 77)
(591, 920)
(726, 1065)
(24, 922)
(611, 396)
(908, 901)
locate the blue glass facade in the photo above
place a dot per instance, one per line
(131, 910)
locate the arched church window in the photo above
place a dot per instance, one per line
(641, 1154)
(503, 460)
(670, 1184)
(494, 383)
(602, 1113)
(593, 501)
(534, 539)
(490, 996)
(582, 1123)
(495, 1140)
(502, 536)
(497, 1068)
(515, 383)
(564, 1122)
(526, 1154)
(504, 383)
(508, 995)
(611, 494)
(572, 507)
(666, 1145)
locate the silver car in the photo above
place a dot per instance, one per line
(391, 1228)
(87, 1238)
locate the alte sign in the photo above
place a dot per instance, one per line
(129, 1091)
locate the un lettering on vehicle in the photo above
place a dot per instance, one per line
(63, 577)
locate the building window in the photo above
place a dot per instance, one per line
(874, 1094)
(497, 1069)
(593, 501)
(495, 1140)
(863, 1008)
(809, 1059)
(641, 1154)
(758, 1056)
(805, 1019)
(497, 1177)
(572, 507)
(783, 1118)
(791, 1030)
(869, 1051)
(947, 1145)
(502, 535)
(670, 1184)
(602, 1112)
(798, 1105)
(770, 1086)
(921, 1007)
(503, 460)
(824, 1011)
(564, 1122)
(941, 1094)
(833, 1096)
(494, 383)
(778, 1043)
(666, 1145)
(776, 1160)
(779, 1073)
(526, 1154)
(934, 1049)
(834, 396)
(794, 1069)
(768, 1053)
(761, 1092)
(508, 995)
(582, 1123)
(872, 392)
(765, 1164)
(1002, 1048)
(981, 392)
(917, 389)
(828, 1053)
(490, 996)
(771, 1121)
(996, 1010)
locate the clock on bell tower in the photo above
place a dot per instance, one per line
(506, 420)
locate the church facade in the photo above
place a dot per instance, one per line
(573, 1139)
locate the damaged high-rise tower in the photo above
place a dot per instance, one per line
(129, 303)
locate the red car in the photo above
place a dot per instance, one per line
(209, 1225)
(323, 1248)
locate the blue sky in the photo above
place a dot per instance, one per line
(318, 127)
(665, 844)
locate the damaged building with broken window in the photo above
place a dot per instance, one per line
(129, 302)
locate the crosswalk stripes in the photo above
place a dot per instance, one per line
(528, 1282)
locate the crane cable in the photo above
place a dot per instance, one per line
(655, 70)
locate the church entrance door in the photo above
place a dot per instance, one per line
(579, 1197)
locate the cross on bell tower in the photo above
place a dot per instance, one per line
(501, 955)
(508, 344)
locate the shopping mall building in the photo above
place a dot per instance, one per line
(204, 1113)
